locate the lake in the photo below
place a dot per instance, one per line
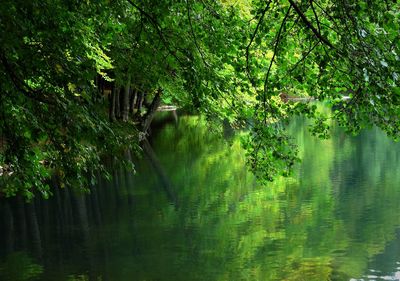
(193, 211)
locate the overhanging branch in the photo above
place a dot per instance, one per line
(158, 29)
(273, 59)
(21, 86)
(310, 26)
(194, 35)
(316, 16)
(251, 42)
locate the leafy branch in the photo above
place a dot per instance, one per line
(194, 35)
(278, 38)
(264, 11)
(21, 86)
(158, 29)
(309, 25)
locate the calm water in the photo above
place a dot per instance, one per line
(193, 212)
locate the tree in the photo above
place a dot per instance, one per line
(228, 61)
(325, 50)
(50, 54)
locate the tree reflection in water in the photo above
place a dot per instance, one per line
(336, 218)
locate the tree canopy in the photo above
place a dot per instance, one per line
(63, 63)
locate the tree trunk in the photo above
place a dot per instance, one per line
(117, 102)
(132, 99)
(125, 104)
(112, 104)
(151, 111)
(139, 102)
(175, 115)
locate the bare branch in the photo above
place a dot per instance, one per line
(158, 29)
(194, 35)
(316, 16)
(278, 36)
(309, 25)
(304, 57)
(251, 42)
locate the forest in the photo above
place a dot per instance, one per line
(81, 80)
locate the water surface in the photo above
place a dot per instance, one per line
(194, 212)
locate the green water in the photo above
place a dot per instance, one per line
(194, 212)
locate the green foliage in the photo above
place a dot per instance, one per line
(270, 151)
(50, 53)
(314, 225)
(229, 60)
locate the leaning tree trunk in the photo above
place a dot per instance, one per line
(151, 111)
(125, 104)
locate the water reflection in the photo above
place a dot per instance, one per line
(194, 212)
